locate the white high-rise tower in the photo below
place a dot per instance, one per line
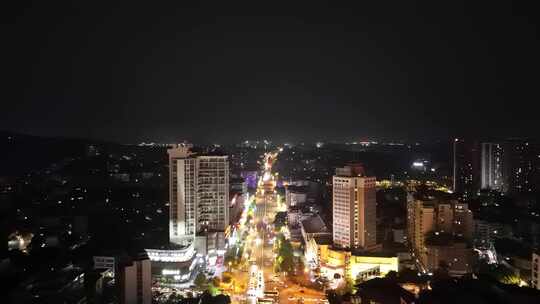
(198, 194)
(492, 167)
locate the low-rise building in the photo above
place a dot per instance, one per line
(313, 248)
(293, 216)
(439, 232)
(453, 252)
(135, 280)
(485, 232)
(356, 265)
(295, 195)
(313, 225)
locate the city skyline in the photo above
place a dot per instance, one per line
(218, 152)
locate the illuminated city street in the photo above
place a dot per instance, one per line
(258, 257)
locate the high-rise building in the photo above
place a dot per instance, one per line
(463, 220)
(466, 167)
(445, 217)
(198, 193)
(213, 193)
(492, 160)
(420, 222)
(521, 164)
(134, 281)
(512, 166)
(182, 195)
(354, 209)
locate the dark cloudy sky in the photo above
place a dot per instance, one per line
(146, 71)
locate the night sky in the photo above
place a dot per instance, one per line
(147, 71)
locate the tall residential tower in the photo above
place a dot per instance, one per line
(492, 167)
(198, 194)
(466, 167)
(354, 209)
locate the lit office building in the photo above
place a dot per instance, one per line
(354, 209)
(182, 195)
(213, 193)
(199, 194)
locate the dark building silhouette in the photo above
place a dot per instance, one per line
(466, 167)
(521, 166)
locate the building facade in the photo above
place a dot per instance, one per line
(182, 195)
(492, 160)
(521, 166)
(486, 232)
(535, 271)
(198, 194)
(354, 209)
(295, 195)
(438, 231)
(456, 255)
(510, 166)
(135, 281)
(355, 266)
(466, 167)
(212, 193)
(420, 223)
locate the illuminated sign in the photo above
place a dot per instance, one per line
(182, 255)
(170, 272)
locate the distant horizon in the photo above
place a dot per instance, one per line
(204, 141)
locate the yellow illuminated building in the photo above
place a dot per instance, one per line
(355, 266)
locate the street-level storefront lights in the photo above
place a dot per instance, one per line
(174, 272)
(171, 255)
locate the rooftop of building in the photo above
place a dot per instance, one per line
(354, 169)
(314, 224)
(216, 154)
(443, 239)
(384, 291)
(190, 151)
(366, 253)
(324, 239)
(297, 189)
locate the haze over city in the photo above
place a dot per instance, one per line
(136, 72)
